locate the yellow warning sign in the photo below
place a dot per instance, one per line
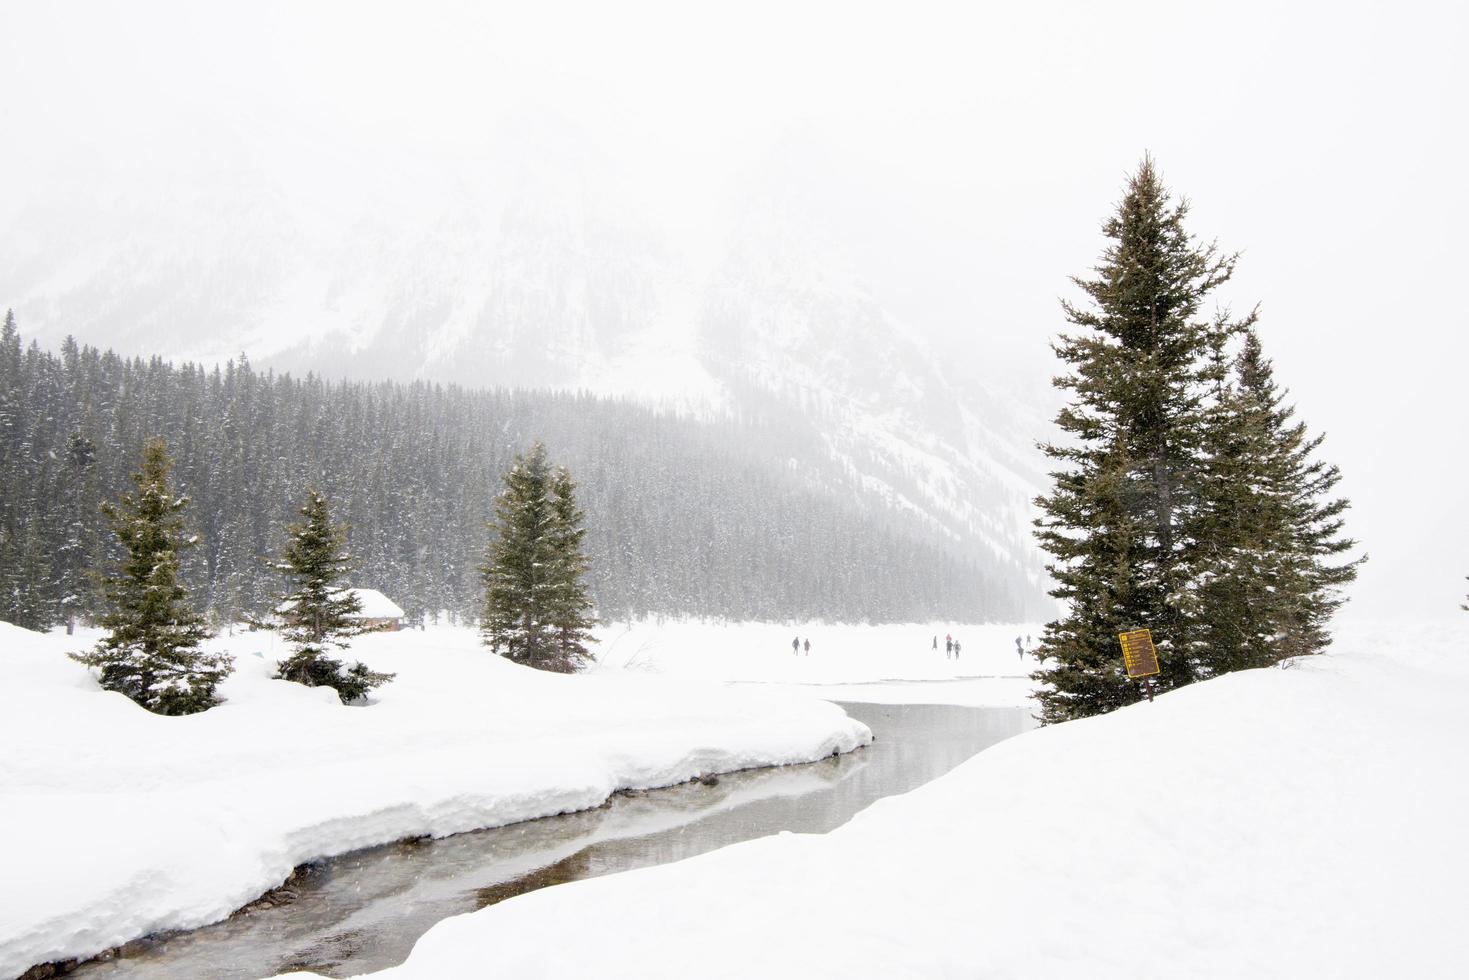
(1138, 653)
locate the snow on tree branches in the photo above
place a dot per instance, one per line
(1186, 499)
(317, 611)
(536, 607)
(151, 651)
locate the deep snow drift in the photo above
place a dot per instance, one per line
(115, 823)
(1286, 822)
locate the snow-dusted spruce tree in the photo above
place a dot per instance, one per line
(571, 609)
(1116, 522)
(536, 609)
(1269, 534)
(1237, 528)
(317, 610)
(27, 587)
(79, 529)
(151, 650)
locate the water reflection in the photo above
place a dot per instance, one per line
(363, 911)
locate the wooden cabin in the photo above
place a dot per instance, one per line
(378, 611)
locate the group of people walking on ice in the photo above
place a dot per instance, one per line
(951, 646)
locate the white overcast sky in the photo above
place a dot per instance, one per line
(962, 154)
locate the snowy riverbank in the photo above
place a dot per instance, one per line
(115, 823)
(1273, 823)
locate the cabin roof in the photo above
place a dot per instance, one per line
(375, 605)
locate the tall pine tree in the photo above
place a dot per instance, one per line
(536, 609)
(1190, 500)
(80, 545)
(319, 612)
(1269, 572)
(10, 391)
(19, 586)
(1239, 531)
(151, 651)
(1117, 522)
(571, 608)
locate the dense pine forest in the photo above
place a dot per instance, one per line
(741, 518)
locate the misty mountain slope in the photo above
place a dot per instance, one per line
(537, 268)
(782, 324)
(539, 295)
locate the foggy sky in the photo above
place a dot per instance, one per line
(962, 158)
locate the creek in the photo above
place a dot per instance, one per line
(363, 911)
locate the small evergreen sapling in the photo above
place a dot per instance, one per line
(318, 611)
(151, 651)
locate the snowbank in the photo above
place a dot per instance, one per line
(880, 664)
(1274, 823)
(115, 823)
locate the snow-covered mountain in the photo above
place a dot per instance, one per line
(534, 267)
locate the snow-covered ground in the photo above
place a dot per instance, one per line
(1273, 823)
(115, 823)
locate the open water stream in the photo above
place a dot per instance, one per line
(363, 911)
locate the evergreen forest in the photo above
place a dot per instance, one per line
(740, 518)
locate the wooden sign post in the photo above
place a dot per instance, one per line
(1140, 657)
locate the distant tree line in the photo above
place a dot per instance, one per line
(735, 518)
(1187, 498)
